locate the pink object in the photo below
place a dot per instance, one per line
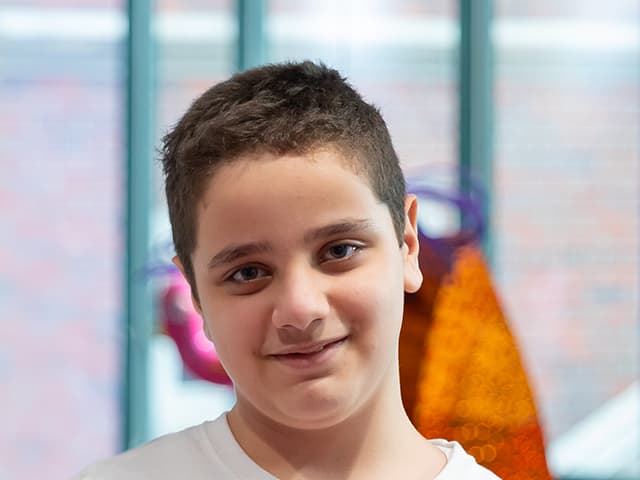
(183, 324)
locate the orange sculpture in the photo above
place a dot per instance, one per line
(461, 374)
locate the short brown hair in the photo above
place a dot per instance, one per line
(280, 109)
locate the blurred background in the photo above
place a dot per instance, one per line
(539, 99)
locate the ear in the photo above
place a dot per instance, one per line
(411, 246)
(176, 261)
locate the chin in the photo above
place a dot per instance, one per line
(318, 413)
(314, 422)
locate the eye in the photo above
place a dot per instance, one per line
(248, 274)
(339, 251)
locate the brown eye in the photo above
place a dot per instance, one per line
(248, 274)
(340, 251)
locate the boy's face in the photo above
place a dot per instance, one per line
(301, 284)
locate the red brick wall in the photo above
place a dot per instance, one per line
(566, 212)
(61, 253)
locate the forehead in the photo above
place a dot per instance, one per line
(267, 194)
(278, 175)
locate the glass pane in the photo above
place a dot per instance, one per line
(61, 246)
(196, 48)
(566, 220)
(400, 55)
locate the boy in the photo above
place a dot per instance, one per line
(292, 226)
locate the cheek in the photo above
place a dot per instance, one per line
(372, 304)
(236, 326)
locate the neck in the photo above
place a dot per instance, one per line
(374, 442)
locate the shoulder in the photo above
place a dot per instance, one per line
(184, 454)
(460, 465)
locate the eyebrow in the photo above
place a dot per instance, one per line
(342, 227)
(237, 251)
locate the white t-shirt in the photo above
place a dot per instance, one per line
(210, 451)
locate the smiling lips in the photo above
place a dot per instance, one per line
(305, 356)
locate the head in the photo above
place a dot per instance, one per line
(291, 224)
(291, 108)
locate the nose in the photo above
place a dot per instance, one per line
(301, 300)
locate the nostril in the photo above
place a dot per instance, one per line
(289, 334)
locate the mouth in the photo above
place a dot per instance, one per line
(310, 348)
(305, 356)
